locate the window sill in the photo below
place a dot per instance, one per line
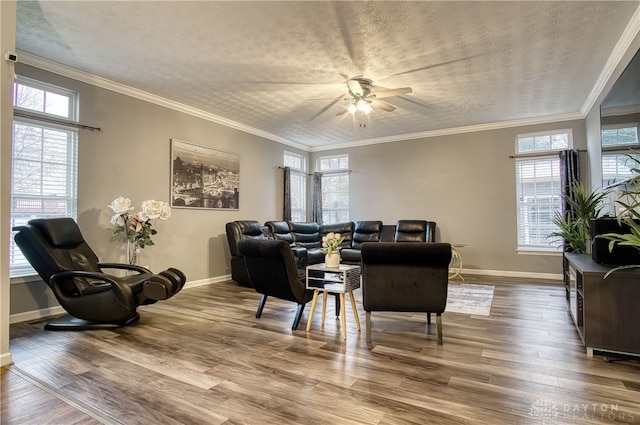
(25, 279)
(553, 253)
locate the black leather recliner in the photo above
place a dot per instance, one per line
(236, 231)
(307, 235)
(93, 299)
(415, 231)
(273, 271)
(364, 231)
(405, 277)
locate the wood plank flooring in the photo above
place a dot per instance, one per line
(203, 358)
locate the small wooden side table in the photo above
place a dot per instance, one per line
(333, 280)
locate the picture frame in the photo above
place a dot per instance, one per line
(202, 177)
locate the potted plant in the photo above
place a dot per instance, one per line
(574, 226)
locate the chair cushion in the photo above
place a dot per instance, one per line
(250, 228)
(344, 229)
(411, 231)
(306, 235)
(60, 232)
(366, 231)
(280, 230)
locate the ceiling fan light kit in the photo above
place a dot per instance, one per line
(364, 100)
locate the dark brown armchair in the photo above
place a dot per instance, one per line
(411, 277)
(272, 270)
(92, 298)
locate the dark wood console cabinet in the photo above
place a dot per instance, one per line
(606, 312)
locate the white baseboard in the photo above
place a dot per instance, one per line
(36, 314)
(5, 359)
(207, 281)
(507, 273)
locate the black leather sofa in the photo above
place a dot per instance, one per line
(306, 239)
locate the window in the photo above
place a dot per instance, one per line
(335, 188)
(538, 188)
(617, 142)
(44, 160)
(298, 167)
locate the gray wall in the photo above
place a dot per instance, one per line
(464, 182)
(130, 157)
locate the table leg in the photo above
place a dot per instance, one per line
(313, 308)
(456, 264)
(324, 305)
(355, 312)
(344, 316)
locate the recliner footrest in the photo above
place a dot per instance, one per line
(164, 285)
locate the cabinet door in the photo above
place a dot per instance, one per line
(612, 312)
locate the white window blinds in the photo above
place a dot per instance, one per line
(538, 191)
(44, 162)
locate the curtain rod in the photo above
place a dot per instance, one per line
(536, 155)
(297, 171)
(21, 114)
(321, 172)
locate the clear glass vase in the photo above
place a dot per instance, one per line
(133, 253)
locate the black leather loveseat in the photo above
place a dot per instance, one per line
(306, 238)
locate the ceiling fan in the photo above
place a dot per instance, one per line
(363, 99)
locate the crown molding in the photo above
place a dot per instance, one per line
(457, 130)
(622, 46)
(66, 71)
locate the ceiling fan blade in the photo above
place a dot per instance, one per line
(323, 110)
(355, 87)
(392, 92)
(343, 111)
(381, 104)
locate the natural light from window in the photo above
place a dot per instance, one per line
(538, 190)
(44, 161)
(335, 188)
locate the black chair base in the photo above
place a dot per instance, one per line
(70, 323)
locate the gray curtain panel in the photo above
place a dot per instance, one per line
(316, 213)
(569, 173)
(286, 209)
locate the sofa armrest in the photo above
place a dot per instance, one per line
(300, 254)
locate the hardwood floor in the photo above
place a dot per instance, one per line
(203, 358)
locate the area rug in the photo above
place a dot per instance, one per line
(471, 299)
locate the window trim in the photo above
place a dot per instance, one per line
(535, 155)
(334, 173)
(301, 172)
(21, 272)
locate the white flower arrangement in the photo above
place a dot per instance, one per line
(137, 227)
(331, 242)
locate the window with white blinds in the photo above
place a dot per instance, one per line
(620, 144)
(298, 185)
(538, 190)
(335, 188)
(44, 161)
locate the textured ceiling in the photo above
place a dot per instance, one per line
(279, 68)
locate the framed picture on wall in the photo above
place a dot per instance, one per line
(203, 178)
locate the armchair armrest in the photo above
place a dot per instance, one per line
(122, 291)
(301, 255)
(124, 266)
